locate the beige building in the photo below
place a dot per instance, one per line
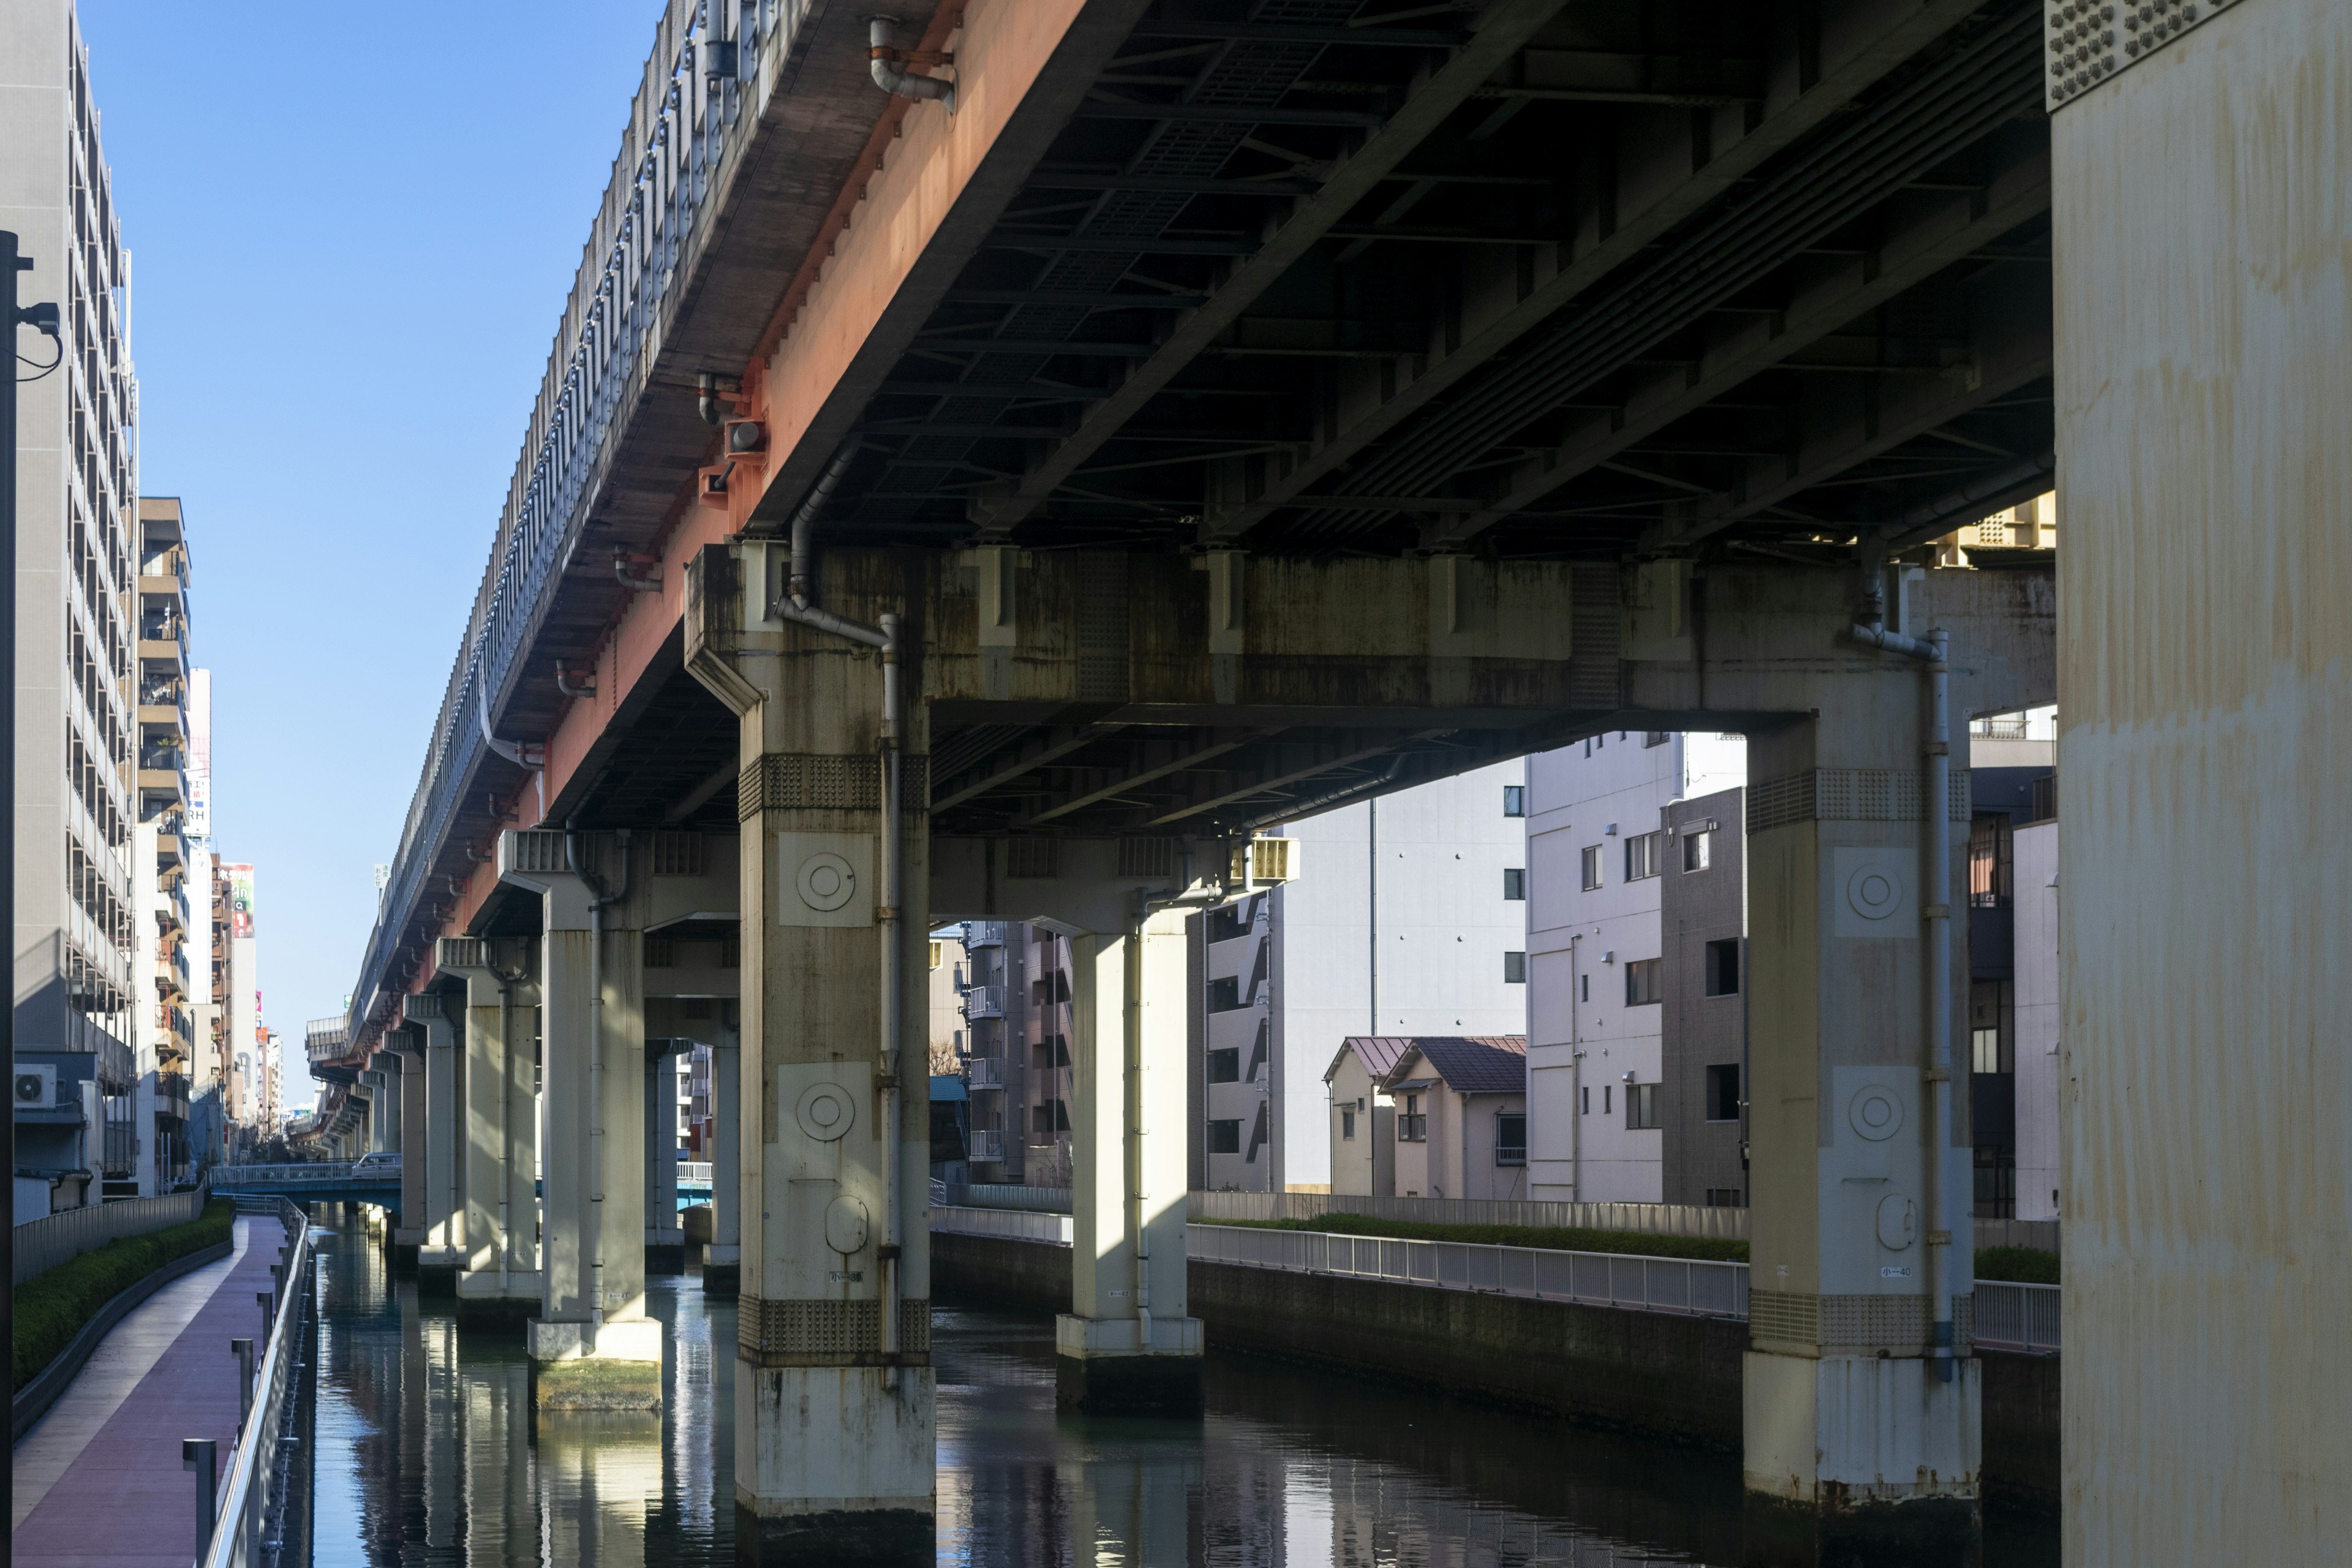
(1461, 1116)
(1363, 1118)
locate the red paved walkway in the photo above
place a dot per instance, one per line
(126, 1502)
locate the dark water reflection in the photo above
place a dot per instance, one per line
(428, 1453)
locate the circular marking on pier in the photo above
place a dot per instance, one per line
(826, 882)
(1876, 1113)
(845, 1226)
(826, 1111)
(1873, 892)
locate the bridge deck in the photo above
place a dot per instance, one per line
(99, 1480)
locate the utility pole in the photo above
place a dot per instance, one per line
(43, 317)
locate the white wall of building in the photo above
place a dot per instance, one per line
(2034, 898)
(1598, 793)
(1417, 877)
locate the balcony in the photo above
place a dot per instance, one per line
(171, 1094)
(982, 1002)
(984, 933)
(986, 1145)
(984, 1072)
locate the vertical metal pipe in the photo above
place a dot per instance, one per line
(888, 921)
(198, 1455)
(1939, 838)
(10, 265)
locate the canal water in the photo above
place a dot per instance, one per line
(428, 1452)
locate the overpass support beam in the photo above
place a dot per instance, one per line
(722, 1261)
(432, 1157)
(1128, 1343)
(2204, 366)
(592, 1345)
(492, 1231)
(408, 1235)
(834, 1389)
(665, 1239)
(1861, 1441)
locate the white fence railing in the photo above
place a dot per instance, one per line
(2013, 1317)
(264, 1465)
(42, 1244)
(694, 1173)
(1688, 1286)
(1645, 1219)
(1005, 1224)
(294, 1176)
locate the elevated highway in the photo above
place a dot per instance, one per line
(1213, 411)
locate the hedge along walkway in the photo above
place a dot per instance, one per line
(98, 1479)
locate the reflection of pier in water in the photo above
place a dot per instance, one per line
(430, 1452)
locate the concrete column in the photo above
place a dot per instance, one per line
(593, 1346)
(385, 1137)
(722, 1263)
(1856, 1450)
(665, 1239)
(417, 1138)
(145, 1164)
(493, 1229)
(834, 1448)
(2204, 365)
(433, 1159)
(1127, 1342)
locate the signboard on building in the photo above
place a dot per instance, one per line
(240, 900)
(200, 755)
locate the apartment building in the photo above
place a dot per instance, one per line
(81, 643)
(1402, 916)
(1010, 1033)
(165, 917)
(1598, 854)
(2013, 963)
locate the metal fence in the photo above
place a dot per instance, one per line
(1005, 1224)
(1002, 1195)
(1681, 1284)
(263, 1468)
(2016, 1317)
(1643, 1220)
(42, 1244)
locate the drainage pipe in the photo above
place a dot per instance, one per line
(1931, 653)
(886, 57)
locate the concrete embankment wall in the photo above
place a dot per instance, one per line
(1649, 1371)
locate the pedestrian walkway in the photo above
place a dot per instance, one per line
(99, 1480)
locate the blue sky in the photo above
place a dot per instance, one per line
(351, 230)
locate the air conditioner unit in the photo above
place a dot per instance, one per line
(37, 1087)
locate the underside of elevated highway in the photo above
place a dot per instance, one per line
(1241, 407)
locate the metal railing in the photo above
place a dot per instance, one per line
(985, 1144)
(694, 1173)
(42, 1244)
(1006, 1225)
(1690, 1286)
(2016, 1316)
(983, 1072)
(983, 1002)
(264, 1469)
(301, 1174)
(1645, 1219)
(689, 119)
(1002, 1195)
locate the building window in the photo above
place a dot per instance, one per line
(1723, 1093)
(1412, 1122)
(1348, 1125)
(1225, 1066)
(1726, 1199)
(1985, 1050)
(1592, 868)
(1514, 969)
(1989, 863)
(1722, 967)
(1511, 1137)
(1226, 1137)
(1645, 982)
(1656, 737)
(1584, 1102)
(1605, 1091)
(1642, 856)
(1225, 995)
(1696, 848)
(1514, 800)
(1515, 882)
(1584, 988)
(1640, 1105)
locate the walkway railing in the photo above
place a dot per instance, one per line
(1645, 1219)
(1688, 1286)
(42, 1244)
(1002, 1195)
(2012, 1317)
(1005, 1224)
(382, 1170)
(264, 1467)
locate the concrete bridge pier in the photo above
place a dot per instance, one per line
(833, 1392)
(592, 1345)
(1862, 1398)
(432, 1159)
(408, 1235)
(1128, 1343)
(664, 1241)
(493, 1229)
(722, 1261)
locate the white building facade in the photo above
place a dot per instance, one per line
(1595, 850)
(1404, 917)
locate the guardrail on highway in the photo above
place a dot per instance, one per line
(1688, 1286)
(263, 1470)
(42, 1244)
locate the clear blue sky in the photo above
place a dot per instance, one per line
(352, 230)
